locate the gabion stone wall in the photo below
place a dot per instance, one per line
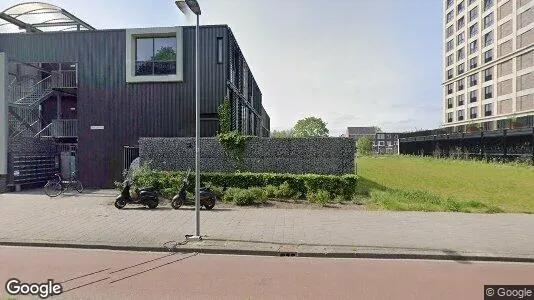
(333, 156)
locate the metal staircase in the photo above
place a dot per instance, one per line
(24, 101)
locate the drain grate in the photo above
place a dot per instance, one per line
(288, 254)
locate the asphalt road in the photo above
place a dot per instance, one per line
(102, 274)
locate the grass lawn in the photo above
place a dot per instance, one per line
(429, 184)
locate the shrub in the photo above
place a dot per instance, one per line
(260, 196)
(230, 194)
(321, 196)
(275, 185)
(244, 197)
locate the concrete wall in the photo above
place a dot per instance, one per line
(297, 156)
(4, 123)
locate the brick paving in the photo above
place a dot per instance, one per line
(91, 218)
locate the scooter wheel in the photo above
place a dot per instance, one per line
(154, 204)
(120, 203)
(210, 203)
(176, 203)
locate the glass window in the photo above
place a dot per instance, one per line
(460, 84)
(220, 50)
(473, 80)
(155, 56)
(473, 30)
(450, 30)
(488, 74)
(473, 62)
(488, 92)
(460, 100)
(488, 109)
(460, 54)
(450, 45)
(461, 68)
(450, 60)
(460, 38)
(461, 115)
(487, 4)
(461, 23)
(449, 117)
(473, 96)
(449, 74)
(460, 7)
(449, 16)
(488, 20)
(449, 103)
(473, 14)
(488, 39)
(450, 89)
(449, 3)
(473, 47)
(488, 55)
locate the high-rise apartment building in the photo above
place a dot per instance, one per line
(488, 63)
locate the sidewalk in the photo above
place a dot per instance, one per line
(90, 220)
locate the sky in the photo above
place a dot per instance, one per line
(349, 62)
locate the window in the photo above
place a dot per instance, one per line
(460, 85)
(460, 38)
(461, 69)
(460, 115)
(450, 45)
(460, 8)
(155, 56)
(450, 60)
(460, 54)
(219, 50)
(488, 20)
(450, 31)
(487, 4)
(488, 39)
(449, 117)
(450, 15)
(473, 30)
(488, 110)
(461, 23)
(473, 96)
(450, 90)
(473, 80)
(449, 103)
(460, 100)
(488, 74)
(473, 47)
(488, 92)
(449, 73)
(473, 14)
(470, 2)
(473, 63)
(488, 56)
(449, 3)
(473, 113)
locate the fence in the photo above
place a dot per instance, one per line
(505, 145)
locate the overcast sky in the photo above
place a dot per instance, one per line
(350, 62)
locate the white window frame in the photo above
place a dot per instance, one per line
(132, 34)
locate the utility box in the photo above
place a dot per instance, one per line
(68, 163)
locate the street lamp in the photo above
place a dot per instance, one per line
(186, 6)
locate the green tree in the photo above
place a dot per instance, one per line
(310, 127)
(279, 134)
(165, 54)
(364, 146)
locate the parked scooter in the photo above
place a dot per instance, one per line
(207, 196)
(144, 196)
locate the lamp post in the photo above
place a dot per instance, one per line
(186, 6)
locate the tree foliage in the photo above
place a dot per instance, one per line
(310, 127)
(279, 134)
(364, 146)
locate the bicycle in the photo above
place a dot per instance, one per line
(54, 187)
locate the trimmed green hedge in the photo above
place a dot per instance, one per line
(291, 185)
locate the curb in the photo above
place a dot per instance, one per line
(364, 255)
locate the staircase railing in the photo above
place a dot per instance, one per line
(60, 129)
(29, 95)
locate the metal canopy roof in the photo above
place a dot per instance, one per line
(39, 17)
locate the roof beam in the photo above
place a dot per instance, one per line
(68, 14)
(55, 24)
(19, 23)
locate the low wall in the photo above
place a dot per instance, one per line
(333, 156)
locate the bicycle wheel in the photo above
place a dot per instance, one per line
(53, 188)
(79, 186)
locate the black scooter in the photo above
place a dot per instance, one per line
(145, 196)
(207, 196)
